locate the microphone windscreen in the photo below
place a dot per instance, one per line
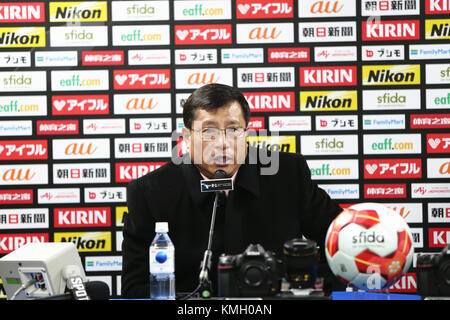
(220, 174)
(97, 290)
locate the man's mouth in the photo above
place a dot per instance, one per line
(222, 160)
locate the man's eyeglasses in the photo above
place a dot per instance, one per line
(211, 134)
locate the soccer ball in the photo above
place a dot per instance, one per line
(369, 246)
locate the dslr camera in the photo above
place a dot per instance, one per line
(253, 273)
(433, 273)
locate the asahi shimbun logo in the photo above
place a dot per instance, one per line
(390, 8)
(338, 31)
(266, 77)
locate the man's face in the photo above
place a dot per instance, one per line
(217, 139)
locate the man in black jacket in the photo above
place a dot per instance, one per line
(265, 209)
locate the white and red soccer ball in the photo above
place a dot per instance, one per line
(369, 246)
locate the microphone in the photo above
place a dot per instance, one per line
(95, 290)
(219, 183)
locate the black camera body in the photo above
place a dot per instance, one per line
(433, 273)
(253, 273)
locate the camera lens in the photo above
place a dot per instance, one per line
(300, 257)
(444, 271)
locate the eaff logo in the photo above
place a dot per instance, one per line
(203, 34)
(261, 9)
(392, 168)
(391, 30)
(80, 105)
(142, 79)
(127, 171)
(270, 101)
(328, 76)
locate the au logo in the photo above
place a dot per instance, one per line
(18, 175)
(264, 33)
(198, 78)
(80, 149)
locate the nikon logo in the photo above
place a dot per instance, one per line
(401, 75)
(273, 143)
(76, 14)
(22, 37)
(82, 11)
(437, 29)
(86, 241)
(328, 100)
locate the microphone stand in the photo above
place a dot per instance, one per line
(205, 286)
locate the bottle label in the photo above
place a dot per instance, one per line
(162, 260)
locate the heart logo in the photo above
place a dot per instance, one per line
(182, 34)
(243, 8)
(59, 104)
(434, 143)
(121, 78)
(371, 168)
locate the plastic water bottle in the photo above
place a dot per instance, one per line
(162, 264)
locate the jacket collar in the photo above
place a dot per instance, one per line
(247, 178)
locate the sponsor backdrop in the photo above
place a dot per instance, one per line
(90, 92)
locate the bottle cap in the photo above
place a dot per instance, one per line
(161, 227)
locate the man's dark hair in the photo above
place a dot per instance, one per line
(211, 97)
